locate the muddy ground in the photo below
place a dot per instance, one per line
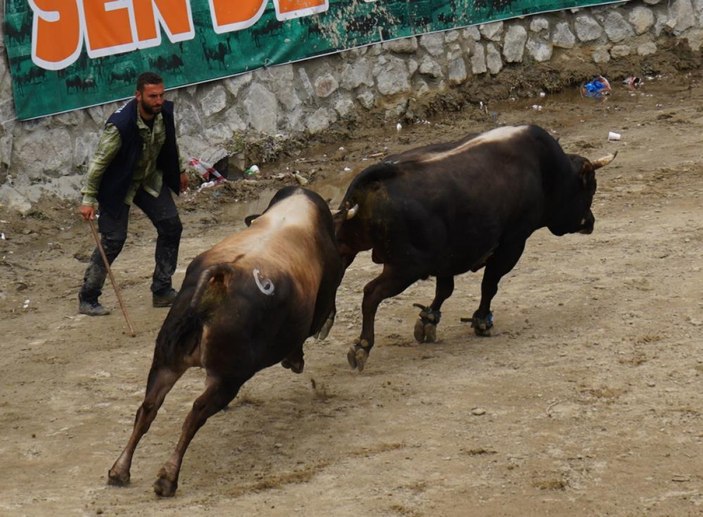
(585, 401)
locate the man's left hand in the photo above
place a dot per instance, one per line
(184, 181)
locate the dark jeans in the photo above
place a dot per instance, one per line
(163, 214)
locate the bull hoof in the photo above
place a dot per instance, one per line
(482, 331)
(419, 331)
(430, 333)
(294, 366)
(426, 325)
(164, 487)
(357, 355)
(425, 332)
(115, 478)
(325, 330)
(482, 326)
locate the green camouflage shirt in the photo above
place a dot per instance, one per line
(145, 173)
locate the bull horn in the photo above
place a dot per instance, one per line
(605, 160)
(352, 211)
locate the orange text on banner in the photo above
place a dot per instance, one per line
(108, 27)
(56, 33)
(111, 27)
(228, 16)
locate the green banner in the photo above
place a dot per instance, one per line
(70, 54)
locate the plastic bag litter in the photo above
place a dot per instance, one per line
(597, 88)
(252, 171)
(206, 171)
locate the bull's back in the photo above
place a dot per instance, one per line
(288, 238)
(478, 173)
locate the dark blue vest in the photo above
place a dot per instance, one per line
(117, 178)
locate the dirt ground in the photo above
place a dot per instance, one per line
(585, 401)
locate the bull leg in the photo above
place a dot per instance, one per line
(386, 285)
(503, 260)
(294, 361)
(217, 395)
(329, 322)
(160, 382)
(327, 325)
(426, 325)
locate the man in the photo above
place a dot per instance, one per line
(136, 162)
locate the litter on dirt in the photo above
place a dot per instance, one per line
(597, 88)
(632, 82)
(206, 171)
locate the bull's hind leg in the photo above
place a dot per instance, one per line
(159, 383)
(426, 325)
(218, 393)
(387, 284)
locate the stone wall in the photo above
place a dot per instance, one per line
(50, 154)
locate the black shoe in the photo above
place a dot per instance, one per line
(92, 308)
(164, 299)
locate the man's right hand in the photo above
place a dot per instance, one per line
(87, 211)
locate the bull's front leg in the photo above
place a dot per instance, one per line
(482, 319)
(384, 286)
(426, 325)
(482, 323)
(501, 262)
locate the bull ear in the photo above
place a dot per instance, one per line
(250, 218)
(605, 160)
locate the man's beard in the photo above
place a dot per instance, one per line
(151, 110)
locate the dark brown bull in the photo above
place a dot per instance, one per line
(446, 209)
(246, 304)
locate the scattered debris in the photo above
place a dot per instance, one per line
(613, 136)
(633, 82)
(207, 184)
(252, 171)
(206, 171)
(597, 88)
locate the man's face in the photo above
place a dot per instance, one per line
(151, 99)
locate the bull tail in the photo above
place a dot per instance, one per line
(211, 288)
(180, 333)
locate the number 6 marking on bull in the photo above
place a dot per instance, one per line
(265, 285)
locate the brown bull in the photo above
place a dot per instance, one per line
(247, 303)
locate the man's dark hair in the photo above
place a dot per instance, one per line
(148, 78)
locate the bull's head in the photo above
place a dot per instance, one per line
(575, 215)
(344, 214)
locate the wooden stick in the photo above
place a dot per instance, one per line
(112, 278)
